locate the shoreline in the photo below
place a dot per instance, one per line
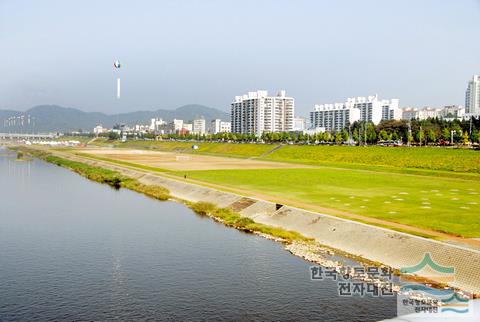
(307, 247)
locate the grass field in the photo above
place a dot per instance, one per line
(431, 158)
(431, 188)
(442, 204)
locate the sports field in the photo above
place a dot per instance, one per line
(184, 162)
(432, 158)
(441, 193)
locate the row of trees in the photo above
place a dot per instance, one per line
(421, 132)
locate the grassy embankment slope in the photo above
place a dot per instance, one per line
(430, 188)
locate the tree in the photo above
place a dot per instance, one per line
(345, 135)
(431, 136)
(355, 135)
(420, 135)
(465, 138)
(113, 136)
(395, 136)
(383, 135)
(338, 138)
(474, 136)
(446, 134)
(371, 133)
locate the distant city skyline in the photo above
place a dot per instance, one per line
(206, 52)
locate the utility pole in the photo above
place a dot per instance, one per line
(420, 136)
(350, 140)
(365, 133)
(409, 132)
(471, 117)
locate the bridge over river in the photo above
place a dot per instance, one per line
(27, 136)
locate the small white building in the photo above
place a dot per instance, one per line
(156, 124)
(299, 123)
(99, 129)
(219, 126)
(199, 126)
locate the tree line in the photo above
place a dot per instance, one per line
(431, 131)
(421, 132)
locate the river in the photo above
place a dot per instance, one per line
(72, 249)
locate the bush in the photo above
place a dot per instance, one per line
(233, 219)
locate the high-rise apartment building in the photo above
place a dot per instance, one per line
(256, 112)
(472, 96)
(374, 110)
(334, 117)
(337, 116)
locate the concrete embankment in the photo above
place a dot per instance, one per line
(395, 249)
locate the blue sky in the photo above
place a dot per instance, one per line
(179, 52)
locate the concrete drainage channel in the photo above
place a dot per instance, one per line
(377, 244)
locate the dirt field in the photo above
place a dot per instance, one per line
(183, 161)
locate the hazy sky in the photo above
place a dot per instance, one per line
(180, 52)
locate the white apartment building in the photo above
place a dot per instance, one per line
(256, 112)
(410, 113)
(451, 112)
(472, 96)
(175, 126)
(219, 126)
(335, 117)
(198, 126)
(448, 112)
(374, 110)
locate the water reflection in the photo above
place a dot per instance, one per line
(72, 249)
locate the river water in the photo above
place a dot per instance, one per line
(72, 249)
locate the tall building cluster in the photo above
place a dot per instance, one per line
(257, 112)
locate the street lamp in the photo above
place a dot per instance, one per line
(452, 132)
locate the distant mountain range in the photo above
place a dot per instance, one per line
(47, 118)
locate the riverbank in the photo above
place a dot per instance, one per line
(388, 198)
(375, 244)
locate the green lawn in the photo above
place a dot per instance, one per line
(431, 158)
(443, 204)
